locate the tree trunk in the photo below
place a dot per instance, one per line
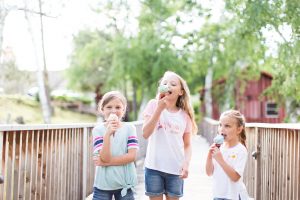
(134, 102)
(45, 72)
(208, 94)
(42, 76)
(3, 14)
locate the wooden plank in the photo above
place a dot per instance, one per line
(72, 162)
(264, 167)
(60, 146)
(2, 161)
(20, 165)
(298, 165)
(56, 167)
(6, 168)
(36, 165)
(269, 164)
(76, 164)
(78, 160)
(52, 133)
(271, 154)
(25, 165)
(14, 127)
(68, 182)
(258, 163)
(64, 164)
(47, 164)
(59, 178)
(42, 166)
(13, 159)
(84, 161)
(31, 165)
(293, 164)
(278, 161)
(284, 167)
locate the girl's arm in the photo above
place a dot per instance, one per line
(209, 167)
(150, 124)
(231, 173)
(119, 160)
(151, 121)
(187, 154)
(105, 153)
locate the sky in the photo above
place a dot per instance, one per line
(58, 34)
(59, 31)
(77, 15)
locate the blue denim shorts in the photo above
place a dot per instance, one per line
(108, 194)
(158, 183)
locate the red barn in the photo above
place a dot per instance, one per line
(250, 102)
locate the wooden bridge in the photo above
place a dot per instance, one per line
(55, 162)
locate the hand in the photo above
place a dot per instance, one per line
(216, 153)
(211, 149)
(98, 162)
(184, 171)
(162, 102)
(112, 126)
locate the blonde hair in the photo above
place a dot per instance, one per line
(107, 97)
(240, 122)
(184, 101)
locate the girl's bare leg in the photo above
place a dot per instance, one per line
(157, 198)
(172, 198)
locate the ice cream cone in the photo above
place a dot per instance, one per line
(112, 117)
(218, 140)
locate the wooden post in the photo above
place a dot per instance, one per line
(84, 159)
(1, 163)
(258, 165)
(1, 157)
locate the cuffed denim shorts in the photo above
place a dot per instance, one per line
(158, 183)
(108, 194)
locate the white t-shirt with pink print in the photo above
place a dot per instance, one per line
(165, 151)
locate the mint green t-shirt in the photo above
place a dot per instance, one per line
(116, 177)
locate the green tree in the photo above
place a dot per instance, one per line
(91, 60)
(278, 17)
(131, 62)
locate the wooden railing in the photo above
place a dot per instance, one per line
(49, 161)
(273, 167)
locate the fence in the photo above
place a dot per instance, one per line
(49, 161)
(273, 167)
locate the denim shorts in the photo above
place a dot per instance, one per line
(108, 194)
(158, 183)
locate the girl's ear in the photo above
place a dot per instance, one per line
(100, 110)
(240, 129)
(181, 92)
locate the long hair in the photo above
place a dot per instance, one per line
(184, 101)
(240, 122)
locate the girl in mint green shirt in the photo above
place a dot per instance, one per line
(115, 149)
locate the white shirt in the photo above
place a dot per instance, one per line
(165, 151)
(223, 186)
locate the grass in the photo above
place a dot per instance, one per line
(13, 106)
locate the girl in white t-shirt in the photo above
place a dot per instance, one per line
(227, 163)
(169, 123)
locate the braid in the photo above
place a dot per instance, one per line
(243, 137)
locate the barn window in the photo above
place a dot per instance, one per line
(271, 110)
